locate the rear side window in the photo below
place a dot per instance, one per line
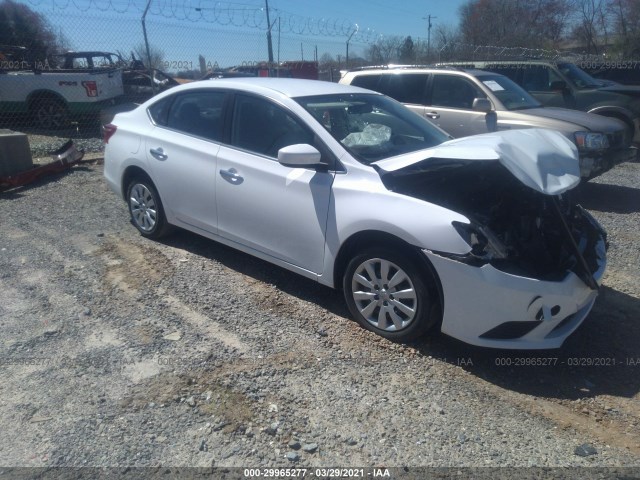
(159, 111)
(405, 87)
(197, 113)
(366, 81)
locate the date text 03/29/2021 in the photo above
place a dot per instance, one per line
(317, 472)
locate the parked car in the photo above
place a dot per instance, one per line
(563, 84)
(625, 72)
(475, 236)
(53, 96)
(468, 102)
(139, 82)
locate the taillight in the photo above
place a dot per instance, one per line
(108, 131)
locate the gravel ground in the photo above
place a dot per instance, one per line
(120, 351)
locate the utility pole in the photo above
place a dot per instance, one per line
(428, 18)
(348, 40)
(269, 44)
(146, 44)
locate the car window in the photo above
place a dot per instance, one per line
(372, 127)
(580, 78)
(263, 127)
(197, 113)
(366, 81)
(454, 92)
(509, 71)
(511, 95)
(404, 87)
(160, 110)
(538, 78)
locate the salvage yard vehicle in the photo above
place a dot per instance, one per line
(54, 96)
(139, 83)
(468, 102)
(475, 236)
(564, 84)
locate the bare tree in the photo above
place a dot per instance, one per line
(157, 56)
(591, 26)
(625, 20)
(22, 27)
(525, 23)
(385, 50)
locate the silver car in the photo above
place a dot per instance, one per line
(469, 102)
(474, 236)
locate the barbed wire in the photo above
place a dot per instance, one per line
(467, 51)
(226, 14)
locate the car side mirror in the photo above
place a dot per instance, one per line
(481, 105)
(558, 86)
(300, 155)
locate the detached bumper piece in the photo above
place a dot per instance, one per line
(63, 159)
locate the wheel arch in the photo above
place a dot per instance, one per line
(36, 95)
(620, 113)
(131, 172)
(374, 238)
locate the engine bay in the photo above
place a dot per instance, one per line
(514, 228)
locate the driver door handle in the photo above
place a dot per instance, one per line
(433, 115)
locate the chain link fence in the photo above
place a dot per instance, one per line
(68, 65)
(89, 58)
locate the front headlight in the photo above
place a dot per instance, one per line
(484, 244)
(591, 140)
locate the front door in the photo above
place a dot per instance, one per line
(277, 210)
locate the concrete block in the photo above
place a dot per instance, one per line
(15, 154)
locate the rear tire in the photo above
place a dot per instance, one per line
(390, 294)
(50, 113)
(145, 207)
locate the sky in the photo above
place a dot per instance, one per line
(406, 17)
(233, 32)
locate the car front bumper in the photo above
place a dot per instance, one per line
(487, 307)
(596, 163)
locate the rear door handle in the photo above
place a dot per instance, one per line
(433, 115)
(158, 153)
(231, 176)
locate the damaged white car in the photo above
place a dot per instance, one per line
(477, 236)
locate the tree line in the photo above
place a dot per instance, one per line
(608, 28)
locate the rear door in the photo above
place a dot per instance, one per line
(181, 150)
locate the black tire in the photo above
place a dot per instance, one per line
(145, 208)
(375, 306)
(50, 113)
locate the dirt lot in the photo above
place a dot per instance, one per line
(119, 351)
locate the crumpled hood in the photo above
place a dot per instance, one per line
(544, 160)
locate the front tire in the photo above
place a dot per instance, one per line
(145, 207)
(389, 294)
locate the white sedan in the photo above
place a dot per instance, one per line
(475, 236)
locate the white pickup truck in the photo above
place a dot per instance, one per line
(53, 97)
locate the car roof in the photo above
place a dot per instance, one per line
(394, 69)
(290, 87)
